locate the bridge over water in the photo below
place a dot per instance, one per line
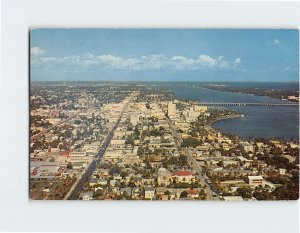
(247, 104)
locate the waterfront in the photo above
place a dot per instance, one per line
(258, 121)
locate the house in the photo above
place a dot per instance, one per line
(216, 153)
(136, 192)
(93, 182)
(164, 197)
(117, 176)
(102, 182)
(125, 190)
(102, 173)
(148, 181)
(149, 192)
(282, 171)
(193, 193)
(160, 190)
(113, 183)
(87, 196)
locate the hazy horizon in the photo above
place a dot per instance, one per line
(162, 81)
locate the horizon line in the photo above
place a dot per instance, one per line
(120, 81)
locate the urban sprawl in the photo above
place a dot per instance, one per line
(122, 141)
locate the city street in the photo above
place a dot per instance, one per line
(192, 161)
(197, 169)
(77, 187)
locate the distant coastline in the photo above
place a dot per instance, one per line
(281, 94)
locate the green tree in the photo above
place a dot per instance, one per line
(183, 194)
(140, 151)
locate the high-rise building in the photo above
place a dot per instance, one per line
(171, 109)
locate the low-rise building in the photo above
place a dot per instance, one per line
(233, 198)
(255, 180)
(183, 176)
(149, 192)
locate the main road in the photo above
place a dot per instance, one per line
(203, 180)
(192, 161)
(78, 186)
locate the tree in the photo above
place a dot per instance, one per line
(115, 169)
(68, 133)
(140, 151)
(173, 160)
(129, 140)
(244, 192)
(182, 160)
(136, 131)
(167, 192)
(183, 194)
(194, 133)
(124, 174)
(190, 142)
(70, 166)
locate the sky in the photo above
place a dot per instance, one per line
(164, 55)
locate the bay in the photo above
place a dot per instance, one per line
(258, 121)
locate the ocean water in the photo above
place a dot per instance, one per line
(294, 86)
(258, 121)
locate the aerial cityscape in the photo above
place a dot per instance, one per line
(129, 114)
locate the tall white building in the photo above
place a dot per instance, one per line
(171, 109)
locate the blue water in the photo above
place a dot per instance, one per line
(294, 86)
(269, 122)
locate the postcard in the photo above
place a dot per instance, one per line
(164, 114)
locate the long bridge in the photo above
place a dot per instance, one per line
(247, 104)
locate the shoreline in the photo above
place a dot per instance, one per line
(234, 116)
(250, 92)
(225, 118)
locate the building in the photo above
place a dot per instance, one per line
(291, 159)
(282, 171)
(255, 180)
(86, 196)
(192, 193)
(77, 154)
(182, 176)
(247, 147)
(233, 198)
(164, 177)
(149, 192)
(206, 114)
(171, 109)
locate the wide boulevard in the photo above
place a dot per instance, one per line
(74, 191)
